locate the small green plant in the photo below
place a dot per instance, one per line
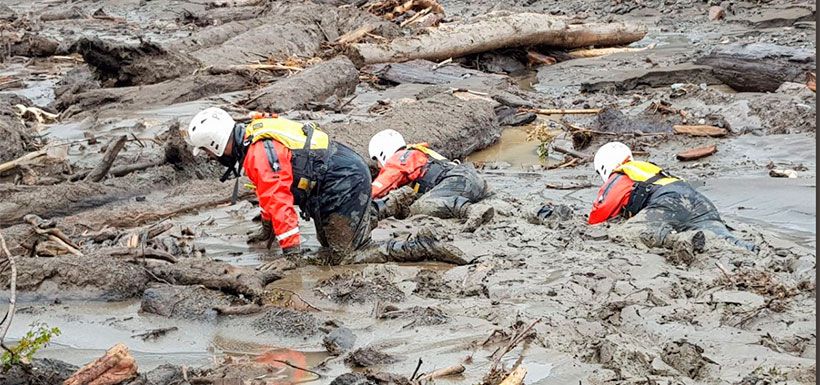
(542, 133)
(35, 339)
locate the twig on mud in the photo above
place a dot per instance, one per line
(556, 186)
(725, 272)
(514, 341)
(415, 372)
(286, 362)
(7, 318)
(114, 147)
(300, 298)
(144, 253)
(443, 372)
(577, 154)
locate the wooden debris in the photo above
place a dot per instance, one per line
(21, 160)
(537, 59)
(146, 253)
(153, 334)
(393, 9)
(5, 324)
(240, 68)
(696, 153)
(49, 229)
(523, 29)
(123, 170)
(355, 35)
(787, 173)
(114, 147)
(443, 372)
(596, 52)
(577, 154)
(35, 114)
(561, 111)
(232, 3)
(116, 366)
(811, 81)
(561, 186)
(516, 377)
(700, 130)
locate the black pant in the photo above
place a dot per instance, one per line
(679, 207)
(460, 185)
(341, 206)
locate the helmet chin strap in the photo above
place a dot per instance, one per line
(233, 161)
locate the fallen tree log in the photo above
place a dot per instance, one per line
(596, 52)
(759, 67)
(337, 76)
(492, 33)
(124, 169)
(63, 13)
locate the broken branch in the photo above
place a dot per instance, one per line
(54, 234)
(6, 322)
(143, 253)
(696, 153)
(561, 111)
(577, 154)
(114, 147)
(443, 372)
(516, 377)
(700, 130)
(23, 159)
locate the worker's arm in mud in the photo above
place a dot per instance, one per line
(273, 190)
(395, 173)
(612, 198)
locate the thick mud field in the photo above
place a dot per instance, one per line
(119, 235)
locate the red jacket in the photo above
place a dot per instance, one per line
(273, 190)
(612, 198)
(394, 174)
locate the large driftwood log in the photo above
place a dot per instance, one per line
(337, 76)
(114, 146)
(491, 33)
(759, 67)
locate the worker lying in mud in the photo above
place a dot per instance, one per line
(291, 163)
(443, 189)
(661, 210)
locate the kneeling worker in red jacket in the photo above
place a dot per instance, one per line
(443, 189)
(292, 164)
(661, 210)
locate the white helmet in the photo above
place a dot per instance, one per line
(609, 157)
(211, 128)
(384, 144)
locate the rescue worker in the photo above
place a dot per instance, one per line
(291, 163)
(444, 189)
(661, 210)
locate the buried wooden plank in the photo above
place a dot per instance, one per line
(700, 130)
(696, 153)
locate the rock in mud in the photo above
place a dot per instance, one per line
(118, 64)
(353, 287)
(286, 322)
(508, 116)
(87, 277)
(216, 275)
(419, 316)
(337, 77)
(75, 81)
(339, 340)
(353, 379)
(759, 67)
(367, 357)
(685, 357)
(42, 371)
(33, 45)
(613, 120)
(184, 302)
(431, 284)
(452, 126)
(161, 375)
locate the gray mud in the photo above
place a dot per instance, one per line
(609, 312)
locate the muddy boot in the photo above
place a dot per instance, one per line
(684, 246)
(424, 246)
(396, 203)
(263, 234)
(476, 214)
